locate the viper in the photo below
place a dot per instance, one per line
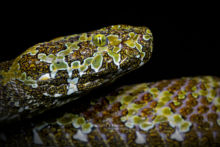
(175, 112)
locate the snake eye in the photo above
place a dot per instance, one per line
(99, 40)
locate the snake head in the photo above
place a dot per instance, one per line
(110, 52)
(80, 62)
(74, 64)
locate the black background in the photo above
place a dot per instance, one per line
(183, 45)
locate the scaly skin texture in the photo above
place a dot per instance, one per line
(53, 73)
(178, 112)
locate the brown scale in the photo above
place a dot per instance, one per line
(117, 120)
(42, 86)
(176, 86)
(186, 111)
(123, 65)
(44, 67)
(196, 118)
(35, 92)
(173, 106)
(165, 128)
(214, 108)
(97, 119)
(113, 138)
(202, 109)
(6, 65)
(51, 47)
(162, 84)
(146, 112)
(191, 101)
(180, 92)
(202, 86)
(28, 65)
(66, 59)
(90, 114)
(206, 141)
(100, 106)
(95, 139)
(124, 112)
(108, 65)
(146, 98)
(154, 138)
(202, 127)
(147, 56)
(68, 141)
(59, 138)
(84, 79)
(72, 39)
(212, 117)
(153, 104)
(28, 89)
(190, 85)
(86, 49)
(115, 108)
(171, 142)
(56, 132)
(60, 78)
(62, 89)
(105, 114)
(43, 132)
(131, 52)
(53, 90)
(191, 138)
(131, 136)
(206, 133)
(204, 101)
(75, 73)
(76, 55)
(125, 130)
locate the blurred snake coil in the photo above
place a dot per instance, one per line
(177, 112)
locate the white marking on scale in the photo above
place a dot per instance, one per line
(177, 136)
(57, 95)
(141, 138)
(44, 77)
(80, 136)
(72, 85)
(36, 137)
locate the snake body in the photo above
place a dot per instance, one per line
(177, 112)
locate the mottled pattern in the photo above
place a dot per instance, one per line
(53, 73)
(178, 112)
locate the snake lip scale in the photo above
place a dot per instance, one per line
(176, 112)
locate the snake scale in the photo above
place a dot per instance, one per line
(177, 112)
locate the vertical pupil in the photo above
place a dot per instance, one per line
(99, 40)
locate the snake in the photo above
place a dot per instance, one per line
(51, 75)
